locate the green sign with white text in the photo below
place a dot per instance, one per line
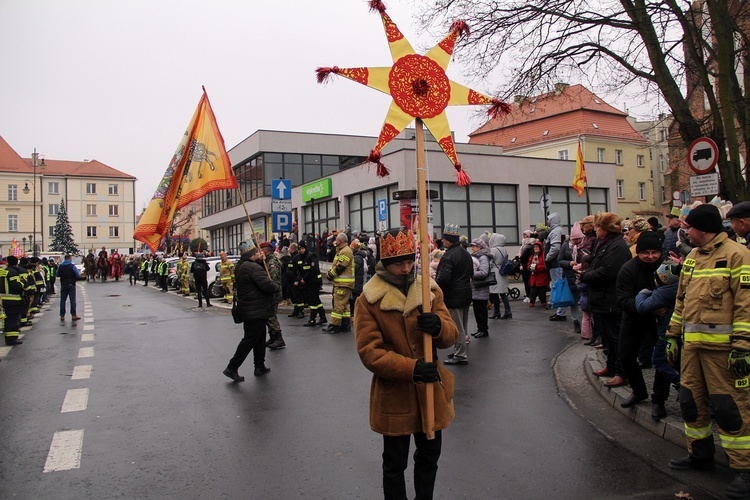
(316, 190)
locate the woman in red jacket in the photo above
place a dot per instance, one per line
(539, 279)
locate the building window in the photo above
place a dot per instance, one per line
(562, 154)
(12, 192)
(52, 231)
(565, 202)
(663, 194)
(53, 187)
(620, 188)
(91, 231)
(641, 191)
(663, 135)
(114, 231)
(113, 189)
(53, 209)
(90, 210)
(90, 188)
(600, 155)
(661, 164)
(12, 223)
(114, 210)
(618, 156)
(641, 160)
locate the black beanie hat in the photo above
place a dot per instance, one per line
(706, 218)
(648, 240)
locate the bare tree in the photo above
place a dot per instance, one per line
(694, 55)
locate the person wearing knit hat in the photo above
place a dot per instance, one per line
(637, 329)
(739, 216)
(254, 293)
(610, 254)
(390, 329)
(712, 318)
(453, 276)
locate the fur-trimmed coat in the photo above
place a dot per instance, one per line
(389, 344)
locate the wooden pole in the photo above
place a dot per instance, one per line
(252, 228)
(424, 259)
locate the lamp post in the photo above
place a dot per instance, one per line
(35, 162)
(24, 243)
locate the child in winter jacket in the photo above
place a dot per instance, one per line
(539, 279)
(657, 301)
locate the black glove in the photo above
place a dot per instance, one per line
(425, 372)
(739, 363)
(429, 323)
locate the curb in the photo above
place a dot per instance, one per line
(669, 428)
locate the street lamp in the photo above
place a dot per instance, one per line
(35, 162)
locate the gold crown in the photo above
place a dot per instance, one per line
(396, 246)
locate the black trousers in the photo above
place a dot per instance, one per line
(145, 277)
(396, 458)
(629, 346)
(610, 330)
(254, 340)
(201, 290)
(480, 314)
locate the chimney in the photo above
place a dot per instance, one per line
(559, 87)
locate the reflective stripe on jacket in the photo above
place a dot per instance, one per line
(342, 267)
(712, 309)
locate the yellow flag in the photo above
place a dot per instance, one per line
(579, 180)
(200, 165)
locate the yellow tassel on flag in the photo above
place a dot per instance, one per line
(579, 180)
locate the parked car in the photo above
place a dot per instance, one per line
(212, 277)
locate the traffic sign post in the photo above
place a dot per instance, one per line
(703, 155)
(281, 222)
(281, 189)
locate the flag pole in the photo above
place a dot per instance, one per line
(253, 235)
(586, 182)
(424, 254)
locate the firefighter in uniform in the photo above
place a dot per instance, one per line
(144, 269)
(39, 284)
(711, 321)
(342, 275)
(296, 294)
(162, 271)
(226, 275)
(309, 280)
(12, 294)
(273, 266)
(29, 288)
(183, 275)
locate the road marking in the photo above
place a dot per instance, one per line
(5, 350)
(65, 451)
(81, 372)
(75, 400)
(88, 327)
(87, 337)
(86, 352)
(86, 319)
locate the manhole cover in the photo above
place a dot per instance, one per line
(112, 295)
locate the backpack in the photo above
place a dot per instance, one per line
(510, 266)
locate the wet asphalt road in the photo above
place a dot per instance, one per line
(161, 421)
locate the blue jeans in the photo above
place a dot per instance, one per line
(65, 292)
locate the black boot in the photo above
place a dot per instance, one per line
(294, 313)
(322, 314)
(236, 377)
(658, 410)
(261, 369)
(332, 329)
(278, 342)
(312, 319)
(346, 325)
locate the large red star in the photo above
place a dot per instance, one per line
(420, 89)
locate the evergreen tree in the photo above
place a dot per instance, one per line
(62, 239)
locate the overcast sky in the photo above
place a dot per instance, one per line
(118, 80)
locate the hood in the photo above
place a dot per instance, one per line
(554, 220)
(497, 240)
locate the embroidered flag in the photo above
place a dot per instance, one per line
(579, 180)
(200, 165)
(15, 249)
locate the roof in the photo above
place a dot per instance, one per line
(567, 112)
(10, 161)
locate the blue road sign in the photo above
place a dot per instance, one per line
(383, 209)
(281, 189)
(281, 222)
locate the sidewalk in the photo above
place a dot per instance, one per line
(670, 428)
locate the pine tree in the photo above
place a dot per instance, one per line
(62, 239)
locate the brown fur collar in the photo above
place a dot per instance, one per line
(391, 297)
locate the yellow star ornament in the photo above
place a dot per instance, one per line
(420, 89)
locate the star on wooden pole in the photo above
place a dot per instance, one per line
(420, 89)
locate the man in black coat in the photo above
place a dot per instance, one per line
(199, 269)
(453, 276)
(254, 291)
